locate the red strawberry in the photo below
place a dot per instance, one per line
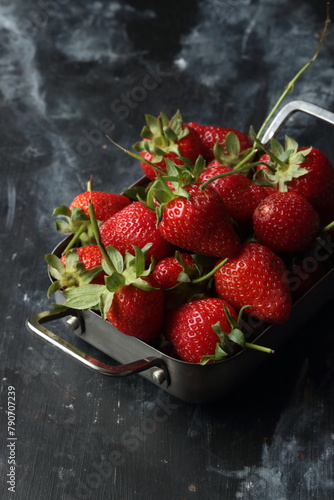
(90, 256)
(256, 278)
(137, 312)
(135, 225)
(81, 266)
(167, 271)
(105, 204)
(240, 195)
(189, 327)
(306, 171)
(164, 138)
(318, 184)
(199, 223)
(286, 222)
(211, 134)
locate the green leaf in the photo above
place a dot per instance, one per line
(116, 258)
(139, 261)
(153, 124)
(84, 297)
(79, 215)
(136, 193)
(56, 267)
(54, 287)
(62, 211)
(170, 134)
(291, 144)
(105, 302)
(237, 337)
(63, 227)
(183, 277)
(143, 285)
(276, 147)
(114, 281)
(232, 144)
(72, 258)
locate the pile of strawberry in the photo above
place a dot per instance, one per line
(202, 244)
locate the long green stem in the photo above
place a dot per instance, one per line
(97, 234)
(211, 273)
(74, 238)
(329, 226)
(242, 166)
(138, 157)
(259, 348)
(291, 84)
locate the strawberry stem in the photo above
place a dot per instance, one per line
(74, 239)
(289, 87)
(259, 348)
(211, 273)
(96, 232)
(329, 226)
(239, 169)
(138, 157)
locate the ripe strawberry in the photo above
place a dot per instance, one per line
(306, 171)
(137, 312)
(211, 134)
(135, 225)
(167, 271)
(105, 204)
(286, 222)
(189, 327)
(256, 278)
(240, 195)
(90, 256)
(129, 298)
(318, 184)
(79, 267)
(198, 222)
(164, 138)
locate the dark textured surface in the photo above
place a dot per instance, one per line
(70, 73)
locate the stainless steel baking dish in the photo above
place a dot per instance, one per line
(186, 381)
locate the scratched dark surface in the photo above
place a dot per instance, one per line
(69, 74)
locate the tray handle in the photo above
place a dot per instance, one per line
(35, 324)
(289, 109)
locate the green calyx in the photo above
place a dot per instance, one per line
(285, 162)
(232, 342)
(160, 136)
(72, 275)
(74, 222)
(170, 186)
(230, 155)
(122, 272)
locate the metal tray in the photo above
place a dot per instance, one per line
(187, 381)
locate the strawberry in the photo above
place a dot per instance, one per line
(256, 278)
(105, 204)
(286, 222)
(211, 134)
(190, 327)
(307, 171)
(129, 298)
(79, 267)
(197, 221)
(137, 312)
(166, 272)
(90, 256)
(135, 225)
(240, 195)
(167, 138)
